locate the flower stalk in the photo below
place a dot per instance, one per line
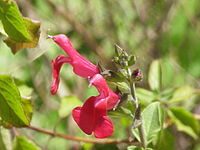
(137, 114)
(124, 61)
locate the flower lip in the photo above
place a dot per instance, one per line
(92, 117)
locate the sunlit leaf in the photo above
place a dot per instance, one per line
(154, 76)
(153, 118)
(33, 28)
(2, 31)
(24, 90)
(13, 21)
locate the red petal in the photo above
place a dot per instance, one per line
(103, 128)
(105, 93)
(100, 83)
(85, 117)
(112, 100)
(64, 42)
(84, 68)
(56, 66)
(100, 107)
(76, 114)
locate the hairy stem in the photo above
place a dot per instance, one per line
(142, 134)
(137, 115)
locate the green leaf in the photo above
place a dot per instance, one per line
(115, 77)
(24, 89)
(184, 121)
(181, 94)
(123, 87)
(167, 94)
(153, 118)
(154, 76)
(166, 141)
(21, 143)
(5, 139)
(131, 60)
(11, 109)
(2, 29)
(27, 107)
(68, 103)
(5, 124)
(26, 100)
(33, 28)
(145, 96)
(13, 22)
(138, 148)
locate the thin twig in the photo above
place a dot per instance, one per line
(82, 139)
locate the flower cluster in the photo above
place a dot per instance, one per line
(92, 116)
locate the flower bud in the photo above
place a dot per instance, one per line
(137, 75)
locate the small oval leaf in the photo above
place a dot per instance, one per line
(154, 76)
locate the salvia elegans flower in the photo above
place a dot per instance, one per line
(92, 116)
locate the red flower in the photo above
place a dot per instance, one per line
(92, 116)
(81, 66)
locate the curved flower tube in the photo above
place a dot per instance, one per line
(92, 116)
(81, 66)
(100, 83)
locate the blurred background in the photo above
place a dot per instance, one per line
(168, 30)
